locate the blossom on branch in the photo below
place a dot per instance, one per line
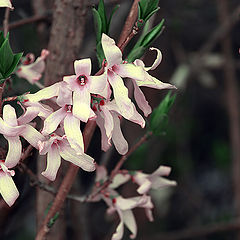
(55, 148)
(30, 70)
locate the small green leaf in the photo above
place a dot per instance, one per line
(2, 38)
(152, 35)
(110, 18)
(6, 57)
(159, 117)
(98, 24)
(102, 13)
(16, 59)
(53, 220)
(147, 8)
(100, 53)
(136, 53)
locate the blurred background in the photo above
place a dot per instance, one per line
(200, 47)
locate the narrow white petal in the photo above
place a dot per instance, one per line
(9, 115)
(8, 189)
(83, 67)
(98, 84)
(53, 163)
(32, 135)
(121, 95)
(73, 133)
(45, 93)
(53, 120)
(81, 104)
(118, 139)
(14, 151)
(130, 222)
(10, 131)
(83, 161)
(118, 235)
(28, 116)
(157, 60)
(6, 3)
(112, 53)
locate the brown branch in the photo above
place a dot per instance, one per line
(120, 163)
(66, 184)
(197, 232)
(127, 32)
(5, 21)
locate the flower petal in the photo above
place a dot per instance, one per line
(118, 139)
(45, 93)
(141, 100)
(81, 104)
(112, 53)
(98, 84)
(6, 3)
(53, 120)
(28, 116)
(130, 70)
(83, 161)
(14, 151)
(8, 189)
(9, 115)
(157, 60)
(121, 95)
(73, 133)
(53, 163)
(144, 186)
(64, 96)
(32, 135)
(130, 222)
(119, 179)
(10, 131)
(118, 235)
(83, 67)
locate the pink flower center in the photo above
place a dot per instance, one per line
(82, 80)
(68, 108)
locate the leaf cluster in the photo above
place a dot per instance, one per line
(102, 25)
(8, 60)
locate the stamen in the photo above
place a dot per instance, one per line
(82, 80)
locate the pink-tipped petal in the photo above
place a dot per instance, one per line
(118, 139)
(112, 53)
(45, 93)
(53, 120)
(130, 70)
(83, 67)
(14, 151)
(121, 95)
(9, 115)
(8, 189)
(73, 133)
(81, 104)
(32, 135)
(141, 100)
(53, 163)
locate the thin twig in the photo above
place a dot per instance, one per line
(5, 21)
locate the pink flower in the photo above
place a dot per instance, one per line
(82, 85)
(32, 71)
(12, 128)
(6, 3)
(57, 147)
(108, 114)
(8, 188)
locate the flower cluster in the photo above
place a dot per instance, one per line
(80, 98)
(124, 206)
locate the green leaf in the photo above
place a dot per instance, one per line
(152, 35)
(136, 53)
(53, 220)
(2, 38)
(100, 54)
(98, 24)
(110, 18)
(102, 13)
(6, 56)
(147, 8)
(16, 59)
(159, 117)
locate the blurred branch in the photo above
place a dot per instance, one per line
(5, 21)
